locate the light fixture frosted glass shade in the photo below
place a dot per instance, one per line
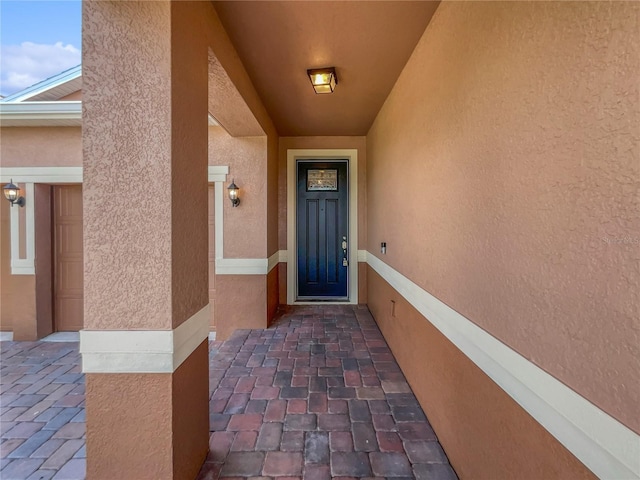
(233, 193)
(324, 80)
(11, 191)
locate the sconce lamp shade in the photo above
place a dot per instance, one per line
(12, 193)
(233, 193)
(324, 80)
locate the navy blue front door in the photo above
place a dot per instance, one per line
(323, 228)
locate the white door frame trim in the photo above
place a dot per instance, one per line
(28, 176)
(351, 155)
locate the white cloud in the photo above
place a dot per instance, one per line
(23, 65)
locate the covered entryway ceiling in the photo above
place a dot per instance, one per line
(368, 42)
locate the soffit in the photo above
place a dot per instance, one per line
(368, 42)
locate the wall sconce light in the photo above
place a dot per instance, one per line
(12, 193)
(324, 80)
(233, 194)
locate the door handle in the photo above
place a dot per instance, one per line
(345, 261)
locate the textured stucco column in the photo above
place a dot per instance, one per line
(145, 237)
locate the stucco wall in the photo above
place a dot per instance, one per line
(144, 120)
(245, 227)
(503, 174)
(485, 433)
(17, 292)
(41, 147)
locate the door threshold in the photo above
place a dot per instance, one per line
(322, 302)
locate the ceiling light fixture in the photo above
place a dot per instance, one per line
(324, 80)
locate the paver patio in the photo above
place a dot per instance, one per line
(41, 411)
(317, 395)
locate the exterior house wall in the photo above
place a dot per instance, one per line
(26, 306)
(17, 292)
(41, 146)
(503, 175)
(245, 227)
(264, 193)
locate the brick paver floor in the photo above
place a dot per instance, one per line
(318, 395)
(42, 422)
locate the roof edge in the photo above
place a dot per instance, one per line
(44, 85)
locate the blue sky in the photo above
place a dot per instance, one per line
(38, 39)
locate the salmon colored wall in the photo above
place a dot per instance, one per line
(41, 147)
(273, 170)
(174, 406)
(145, 277)
(189, 150)
(119, 424)
(273, 290)
(191, 413)
(18, 292)
(245, 227)
(485, 433)
(503, 175)
(282, 283)
(241, 303)
(43, 259)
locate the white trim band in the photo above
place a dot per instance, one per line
(607, 447)
(217, 173)
(143, 351)
(249, 266)
(241, 266)
(41, 174)
(62, 110)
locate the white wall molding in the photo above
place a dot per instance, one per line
(362, 256)
(242, 266)
(607, 447)
(249, 266)
(41, 174)
(59, 110)
(143, 351)
(293, 155)
(217, 173)
(273, 261)
(27, 176)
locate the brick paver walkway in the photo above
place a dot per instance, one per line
(41, 411)
(318, 395)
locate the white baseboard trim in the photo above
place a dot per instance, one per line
(6, 336)
(144, 351)
(607, 447)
